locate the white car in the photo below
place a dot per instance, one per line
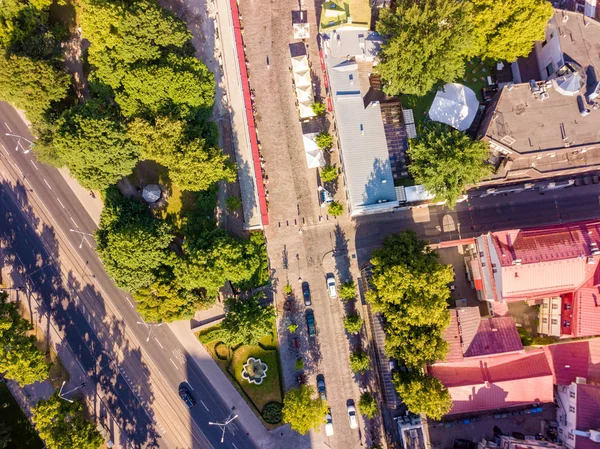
(328, 425)
(352, 417)
(331, 286)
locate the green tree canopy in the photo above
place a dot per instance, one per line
(329, 173)
(427, 42)
(367, 405)
(335, 209)
(360, 362)
(347, 291)
(131, 243)
(62, 424)
(32, 86)
(353, 324)
(20, 359)
(507, 29)
(302, 411)
(324, 140)
(93, 143)
(246, 322)
(423, 394)
(447, 161)
(410, 289)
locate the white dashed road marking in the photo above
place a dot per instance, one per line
(173, 363)
(204, 405)
(47, 184)
(74, 222)
(36, 167)
(60, 202)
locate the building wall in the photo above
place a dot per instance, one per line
(550, 316)
(549, 52)
(566, 413)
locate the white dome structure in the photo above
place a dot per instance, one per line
(569, 84)
(455, 105)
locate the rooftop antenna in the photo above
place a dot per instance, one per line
(223, 425)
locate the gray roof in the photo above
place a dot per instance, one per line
(342, 43)
(363, 146)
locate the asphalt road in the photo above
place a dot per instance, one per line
(478, 215)
(139, 378)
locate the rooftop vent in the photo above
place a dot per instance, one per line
(591, 261)
(516, 262)
(362, 129)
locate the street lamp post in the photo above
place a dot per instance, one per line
(83, 234)
(150, 328)
(19, 138)
(62, 395)
(223, 425)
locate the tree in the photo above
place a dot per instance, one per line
(246, 322)
(299, 364)
(324, 140)
(93, 143)
(33, 86)
(507, 29)
(303, 412)
(131, 243)
(329, 173)
(347, 291)
(447, 161)
(62, 424)
(5, 436)
(353, 324)
(292, 328)
(423, 394)
(367, 405)
(164, 301)
(335, 209)
(410, 289)
(360, 362)
(20, 359)
(318, 108)
(427, 42)
(233, 203)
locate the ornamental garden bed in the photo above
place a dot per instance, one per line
(266, 398)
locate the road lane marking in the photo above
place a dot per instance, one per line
(47, 184)
(173, 363)
(157, 341)
(203, 404)
(188, 382)
(130, 303)
(4, 149)
(74, 222)
(60, 202)
(8, 127)
(233, 444)
(86, 241)
(29, 184)
(36, 167)
(19, 170)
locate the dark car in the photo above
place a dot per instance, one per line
(306, 294)
(460, 443)
(310, 323)
(185, 395)
(321, 387)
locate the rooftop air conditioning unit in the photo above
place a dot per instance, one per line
(591, 261)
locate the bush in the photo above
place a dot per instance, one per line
(329, 173)
(348, 291)
(324, 140)
(299, 364)
(222, 351)
(360, 362)
(367, 405)
(292, 328)
(318, 108)
(233, 203)
(353, 324)
(287, 289)
(526, 338)
(271, 412)
(335, 209)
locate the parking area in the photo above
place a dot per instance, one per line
(442, 434)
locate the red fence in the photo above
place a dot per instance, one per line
(262, 200)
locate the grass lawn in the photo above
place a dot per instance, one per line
(22, 432)
(257, 396)
(475, 70)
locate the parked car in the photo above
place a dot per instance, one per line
(352, 417)
(326, 197)
(331, 286)
(306, 294)
(186, 396)
(321, 387)
(328, 424)
(460, 443)
(310, 323)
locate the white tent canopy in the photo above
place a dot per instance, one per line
(456, 105)
(314, 155)
(303, 83)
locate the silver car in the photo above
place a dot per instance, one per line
(331, 286)
(352, 417)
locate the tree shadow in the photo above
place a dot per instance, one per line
(78, 313)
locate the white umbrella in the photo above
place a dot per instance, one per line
(306, 110)
(456, 105)
(315, 159)
(310, 142)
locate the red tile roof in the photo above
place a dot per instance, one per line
(577, 359)
(586, 312)
(497, 382)
(470, 336)
(588, 416)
